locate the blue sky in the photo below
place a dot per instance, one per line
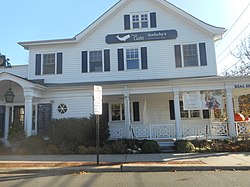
(29, 20)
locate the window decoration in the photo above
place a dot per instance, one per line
(62, 108)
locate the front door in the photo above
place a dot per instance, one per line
(2, 121)
(43, 118)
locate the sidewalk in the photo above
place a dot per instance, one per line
(128, 162)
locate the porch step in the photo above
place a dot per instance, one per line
(166, 146)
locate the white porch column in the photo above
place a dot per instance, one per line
(230, 112)
(178, 127)
(28, 95)
(127, 114)
(6, 124)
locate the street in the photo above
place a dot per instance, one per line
(134, 179)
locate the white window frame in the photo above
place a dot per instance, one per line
(139, 58)
(42, 63)
(140, 21)
(182, 55)
(89, 62)
(189, 113)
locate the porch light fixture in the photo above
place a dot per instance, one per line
(9, 95)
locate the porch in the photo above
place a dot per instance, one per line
(214, 130)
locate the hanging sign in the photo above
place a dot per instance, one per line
(192, 100)
(141, 36)
(212, 100)
(97, 100)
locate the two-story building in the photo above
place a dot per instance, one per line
(155, 62)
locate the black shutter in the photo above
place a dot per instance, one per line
(84, 61)
(153, 20)
(144, 58)
(126, 22)
(107, 60)
(136, 111)
(120, 60)
(105, 113)
(171, 109)
(2, 121)
(59, 63)
(203, 54)
(38, 64)
(206, 114)
(177, 51)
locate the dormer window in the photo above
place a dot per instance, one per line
(140, 20)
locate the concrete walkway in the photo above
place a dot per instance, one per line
(129, 162)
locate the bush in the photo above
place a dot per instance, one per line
(150, 146)
(68, 134)
(184, 146)
(52, 149)
(16, 132)
(35, 145)
(84, 150)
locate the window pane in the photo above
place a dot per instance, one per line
(95, 61)
(194, 113)
(49, 64)
(115, 109)
(190, 55)
(135, 21)
(144, 20)
(132, 57)
(184, 113)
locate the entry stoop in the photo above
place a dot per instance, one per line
(166, 146)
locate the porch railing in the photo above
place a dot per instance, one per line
(215, 130)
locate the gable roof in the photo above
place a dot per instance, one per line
(215, 32)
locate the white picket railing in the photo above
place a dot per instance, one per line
(215, 130)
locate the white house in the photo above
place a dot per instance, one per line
(155, 62)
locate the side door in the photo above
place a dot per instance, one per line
(44, 115)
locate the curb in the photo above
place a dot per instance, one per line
(123, 168)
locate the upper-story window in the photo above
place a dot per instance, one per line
(190, 55)
(95, 61)
(140, 20)
(48, 64)
(132, 58)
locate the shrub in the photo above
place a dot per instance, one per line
(35, 145)
(81, 149)
(118, 147)
(184, 146)
(16, 132)
(150, 146)
(52, 149)
(68, 134)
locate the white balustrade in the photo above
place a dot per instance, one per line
(243, 128)
(214, 130)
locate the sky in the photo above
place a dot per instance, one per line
(30, 20)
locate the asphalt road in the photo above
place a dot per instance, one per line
(129, 179)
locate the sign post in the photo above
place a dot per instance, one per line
(97, 112)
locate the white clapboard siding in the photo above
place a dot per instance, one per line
(19, 70)
(161, 59)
